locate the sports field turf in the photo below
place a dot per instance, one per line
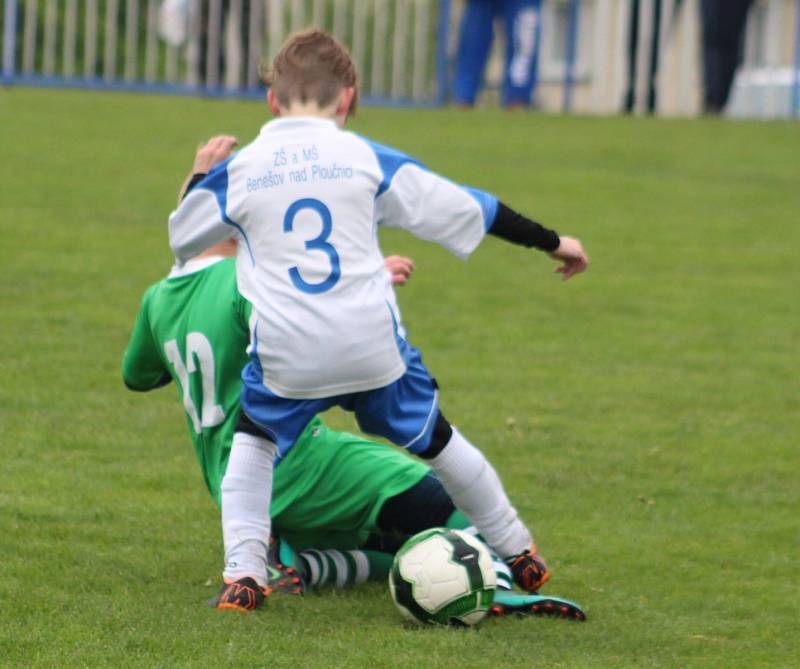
(645, 416)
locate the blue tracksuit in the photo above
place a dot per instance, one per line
(522, 26)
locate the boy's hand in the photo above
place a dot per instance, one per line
(214, 151)
(573, 255)
(400, 268)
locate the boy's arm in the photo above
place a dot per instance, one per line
(434, 208)
(201, 219)
(517, 229)
(142, 367)
(213, 152)
(400, 268)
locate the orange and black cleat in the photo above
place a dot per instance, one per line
(507, 603)
(529, 570)
(243, 594)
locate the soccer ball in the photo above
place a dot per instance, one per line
(443, 577)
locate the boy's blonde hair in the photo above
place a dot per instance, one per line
(311, 66)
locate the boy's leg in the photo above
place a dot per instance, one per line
(474, 43)
(523, 30)
(246, 490)
(246, 494)
(476, 489)
(407, 413)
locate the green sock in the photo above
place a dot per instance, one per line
(458, 521)
(379, 564)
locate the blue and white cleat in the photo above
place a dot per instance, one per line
(508, 602)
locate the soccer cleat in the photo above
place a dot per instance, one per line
(529, 570)
(283, 568)
(507, 603)
(243, 594)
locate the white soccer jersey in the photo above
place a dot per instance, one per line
(306, 198)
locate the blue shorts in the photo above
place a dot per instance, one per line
(404, 412)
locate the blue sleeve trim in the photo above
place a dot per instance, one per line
(488, 203)
(216, 181)
(390, 160)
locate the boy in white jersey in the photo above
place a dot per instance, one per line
(306, 198)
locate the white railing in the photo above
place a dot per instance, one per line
(217, 46)
(404, 49)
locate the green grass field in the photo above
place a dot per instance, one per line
(645, 416)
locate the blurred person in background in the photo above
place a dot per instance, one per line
(723, 32)
(176, 24)
(653, 47)
(204, 64)
(522, 19)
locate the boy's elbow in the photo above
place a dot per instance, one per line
(133, 387)
(178, 240)
(140, 387)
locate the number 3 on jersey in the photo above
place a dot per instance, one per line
(319, 243)
(197, 346)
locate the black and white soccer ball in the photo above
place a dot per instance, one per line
(443, 577)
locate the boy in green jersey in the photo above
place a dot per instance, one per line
(192, 328)
(344, 502)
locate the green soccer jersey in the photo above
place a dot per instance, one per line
(192, 328)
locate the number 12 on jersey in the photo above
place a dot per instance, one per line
(197, 346)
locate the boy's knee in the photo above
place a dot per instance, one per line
(442, 431)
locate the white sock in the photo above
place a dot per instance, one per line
(476, 490)
(246, 496)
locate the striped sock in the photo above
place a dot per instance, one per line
(339, 568)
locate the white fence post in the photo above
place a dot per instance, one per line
(298, 21)
(400, 48)
(318, 13)
(233, 46)
(274, 26)
(90, 40)
(359, 47)
(255, 42)
(796, 73)
(29, 38)
(192, 77)
(213, 40)
(110, 47)
(70, 36)
(340, 20)
(131, 39)
(151, 43)
(50, 37)
(421, 32)
(378, 73)
(9, 38)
